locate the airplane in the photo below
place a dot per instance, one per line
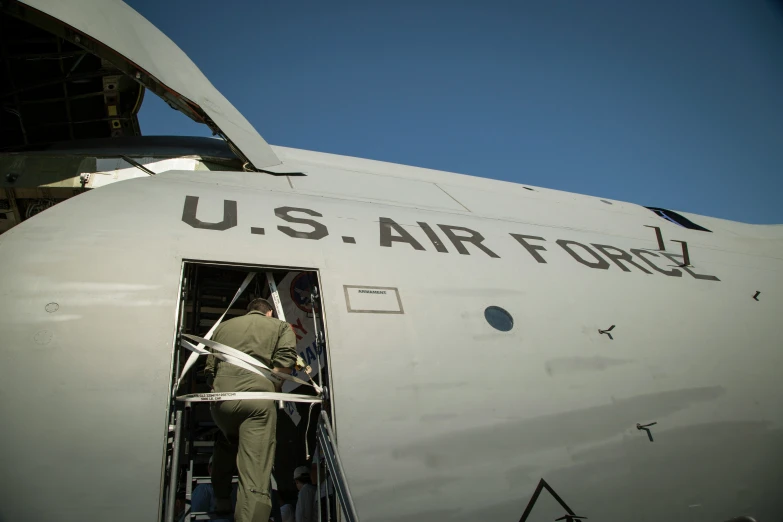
(493, 351)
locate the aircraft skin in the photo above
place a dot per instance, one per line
(438, 415)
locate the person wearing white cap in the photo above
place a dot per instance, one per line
(305, 504)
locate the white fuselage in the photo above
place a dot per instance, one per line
(439, 416)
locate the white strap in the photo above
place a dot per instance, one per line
(222, 357)
(248, 360)
(240, 396)
(270, 279)
(194, 356)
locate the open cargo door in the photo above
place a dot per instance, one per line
(115, 32)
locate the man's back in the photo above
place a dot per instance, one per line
(247, 427)
(267, 339)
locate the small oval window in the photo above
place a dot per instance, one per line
(498, 318)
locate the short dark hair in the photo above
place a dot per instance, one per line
(304, 479)
(259, 305)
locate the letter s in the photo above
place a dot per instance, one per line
(319, 230)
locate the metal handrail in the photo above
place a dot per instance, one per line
(334, 467)
(174, 473)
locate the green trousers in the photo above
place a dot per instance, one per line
(248, 429)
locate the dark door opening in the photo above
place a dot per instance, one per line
(207, 290)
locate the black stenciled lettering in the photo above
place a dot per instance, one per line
(319, 229)
(691, 272)
(641, 255)
(229, 215)
(474, 238)
(600, 263)
(617, 255)
(433, 237)
(531, 248)
(403, 236)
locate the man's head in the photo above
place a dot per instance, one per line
(261, 305)
(301, 477)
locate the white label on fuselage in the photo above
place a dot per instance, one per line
(373, 299)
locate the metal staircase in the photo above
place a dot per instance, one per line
(334, 468)
(189, 442)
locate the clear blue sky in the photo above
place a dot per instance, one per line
(677, 104)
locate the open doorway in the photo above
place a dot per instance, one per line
(210, 291)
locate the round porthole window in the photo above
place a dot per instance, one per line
(498, 318)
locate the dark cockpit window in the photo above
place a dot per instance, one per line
(677, 219)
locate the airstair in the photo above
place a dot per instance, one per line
(335, 477)
(190, 440)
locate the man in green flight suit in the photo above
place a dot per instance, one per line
(248, 426)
